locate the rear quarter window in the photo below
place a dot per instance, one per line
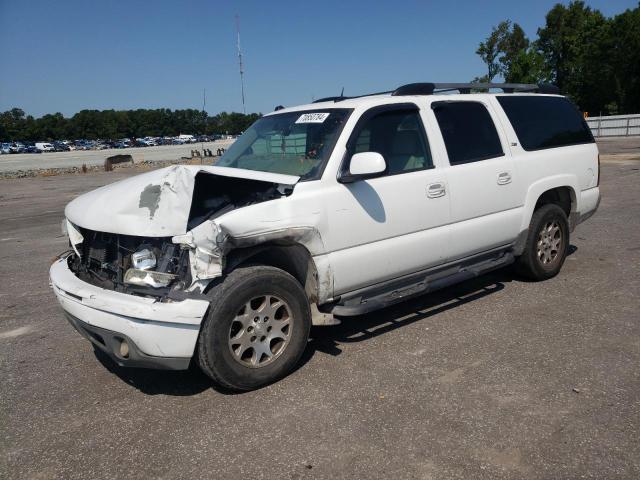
(545, 122)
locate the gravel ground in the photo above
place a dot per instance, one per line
(494, 378)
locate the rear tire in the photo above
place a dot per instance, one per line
(547, 244)
(256, 328)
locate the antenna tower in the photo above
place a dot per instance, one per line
(244, 110)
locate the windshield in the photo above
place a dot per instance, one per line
(295, 143)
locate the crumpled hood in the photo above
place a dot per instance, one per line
(153, 204)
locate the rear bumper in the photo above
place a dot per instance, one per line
(158, 334)
(589, 203)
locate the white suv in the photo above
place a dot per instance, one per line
(339, 207)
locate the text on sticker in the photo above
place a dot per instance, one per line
(312, 117)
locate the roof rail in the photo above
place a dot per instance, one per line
(341, 98)
(330, 99)
(431, 88)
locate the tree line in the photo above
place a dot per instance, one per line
(593, 59)
(15, 125)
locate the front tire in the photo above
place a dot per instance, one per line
(256, 328)
(547, 244)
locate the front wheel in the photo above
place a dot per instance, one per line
(547, 244)
(256, 329)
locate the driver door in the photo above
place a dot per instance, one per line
(396, 223)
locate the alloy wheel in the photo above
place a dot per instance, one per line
(260, 331)
(550, 242)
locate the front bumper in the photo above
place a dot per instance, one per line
(159, 334)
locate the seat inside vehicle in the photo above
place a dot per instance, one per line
(406, 152)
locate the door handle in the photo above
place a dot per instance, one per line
(504, 178)
(436, 190)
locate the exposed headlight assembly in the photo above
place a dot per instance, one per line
(143, 259)
(135, 276)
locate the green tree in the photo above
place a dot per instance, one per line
(513, 44)
(625, 60)
(593, 59)
(575, 44)
(528, 66)
(507, 52)
(491, 49)
(12, 123)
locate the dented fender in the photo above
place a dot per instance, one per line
(210, 242)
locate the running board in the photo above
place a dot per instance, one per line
(427, 282)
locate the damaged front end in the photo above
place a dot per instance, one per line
(158, 236)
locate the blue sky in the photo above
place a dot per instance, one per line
(67, 55)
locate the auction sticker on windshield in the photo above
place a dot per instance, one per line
(312, 117)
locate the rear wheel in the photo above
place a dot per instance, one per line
(547, 244)
(256, 329)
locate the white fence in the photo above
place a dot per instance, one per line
(614, 125)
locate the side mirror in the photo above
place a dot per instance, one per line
(364, 165)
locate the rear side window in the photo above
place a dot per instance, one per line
(545, 122)
(468, 131)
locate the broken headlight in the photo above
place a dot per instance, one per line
(135, 276)
(143, 259)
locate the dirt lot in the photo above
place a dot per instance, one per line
(495, 378)
(77, 158)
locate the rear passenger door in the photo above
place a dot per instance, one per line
(484, 188)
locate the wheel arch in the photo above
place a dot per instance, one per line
(561, 189)
(313, 273)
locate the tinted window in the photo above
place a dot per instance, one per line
(399, 137)
(545, 122)
(468, 131)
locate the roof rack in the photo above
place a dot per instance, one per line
(342, 97)
(434, 88)
(431, 88)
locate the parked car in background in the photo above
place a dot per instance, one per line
(146, 142)
(5, 148)
(68, 144)
(16, 147)
(45, 147)
(103, 144)
(60, 147)
(29, 147)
